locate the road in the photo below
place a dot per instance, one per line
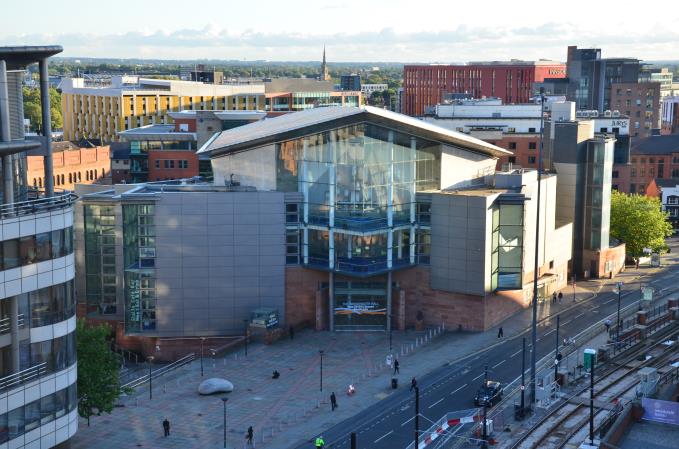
(389, 424)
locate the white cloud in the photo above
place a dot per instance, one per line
(460, 43)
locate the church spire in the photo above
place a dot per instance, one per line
(325, 74)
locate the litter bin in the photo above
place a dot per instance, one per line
(394, 383)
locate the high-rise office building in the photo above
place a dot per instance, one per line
(38, 400)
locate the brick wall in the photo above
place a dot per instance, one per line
(301, 286)
(599, 258)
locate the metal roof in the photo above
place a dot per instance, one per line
(665, 144)
(18, 58)
(309, 121)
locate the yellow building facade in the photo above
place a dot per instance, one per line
(130, 102)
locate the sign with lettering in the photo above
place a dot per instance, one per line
(660, 411)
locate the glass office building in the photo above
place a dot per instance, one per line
(359, 217)
(38, 370)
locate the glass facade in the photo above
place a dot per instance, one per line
(598, 196)
(359, 184)
(100, 258)
(507, 247)
(360, 305)
(31, 249)
(139, 252)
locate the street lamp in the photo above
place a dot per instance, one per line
(224, 401)
(202, 343)
(245, 323)
(417, 417)
(534, 325)
(150, 360)
(320, 351)
(617, 327)
(391, 325)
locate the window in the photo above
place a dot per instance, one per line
(615, 174)
(169, 163)
(651, 160)
(511, 159)
(633, 172)
(183, 164)
(157, 163)
(661, 171)
(292, 213)
(531, 159)
(512, 145)
(642, 172)
(531, 130)
(532, 145)
(27, 250)
(651, 171)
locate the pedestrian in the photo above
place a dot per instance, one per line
(166, 427)
(333, 401)
(560, 297)
(249, 437)
(320, 442)
(413, 383)
(500, 333)
(553, 297)
(292, 333)
(275, 374)
(608, 326)
(396, 366)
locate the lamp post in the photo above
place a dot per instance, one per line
(534, 329)
(591, 403)
(224, 401)
(523, 377)
(484, 443)
(245, 326)
(617, 326)
(202, 343)
(391, 325)
(556, 351)
(150, 360)
(320, 352)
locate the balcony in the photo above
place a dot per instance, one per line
(360, 266)
(39, 205)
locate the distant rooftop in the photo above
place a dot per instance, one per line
(513, 62)
(666, 144)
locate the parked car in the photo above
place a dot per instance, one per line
(489, 394)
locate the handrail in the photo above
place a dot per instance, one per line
(37, 205)
(159, 372)
(22, 377)
(5, 323)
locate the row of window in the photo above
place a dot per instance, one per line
(171, 163)
(48, 305)
(36, 248)
(17, 422)
(531, 145)
(59, 180)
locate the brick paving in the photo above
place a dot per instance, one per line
(290, 409)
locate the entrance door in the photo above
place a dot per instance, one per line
(360, 306)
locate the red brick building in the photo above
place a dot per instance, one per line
(641, 103)
(426, 85)
(655, 157)
(72, 165)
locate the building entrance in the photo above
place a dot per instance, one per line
(360, 305)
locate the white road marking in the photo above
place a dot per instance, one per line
(384, 436)
(517, 352)
(495, 366)
(578, 316)
(463, 386)
(406, 422)
(478, 377)
(553, 330)
(435, 403)
(566, 322)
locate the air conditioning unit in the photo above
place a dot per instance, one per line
(594, 114)
(616, 113)
(607, 113)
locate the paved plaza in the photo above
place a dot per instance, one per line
(291, 409)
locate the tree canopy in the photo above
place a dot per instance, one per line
(639, 221)
(98, 369)
(33, 108)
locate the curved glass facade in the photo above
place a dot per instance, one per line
(359, 184)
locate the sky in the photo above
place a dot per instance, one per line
(351, 30)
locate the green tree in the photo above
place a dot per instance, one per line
(639, 221)
(98, 370)
(33, 108)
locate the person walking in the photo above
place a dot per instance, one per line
(292, 333)
(413, 383)
(608, 323)
(396, 366)
(166, 427)
(500, 333)
(554, 298)
(560, 297)
(333, 401)
(320, 442)
(249, 437)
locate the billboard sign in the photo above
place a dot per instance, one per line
(660, 411)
